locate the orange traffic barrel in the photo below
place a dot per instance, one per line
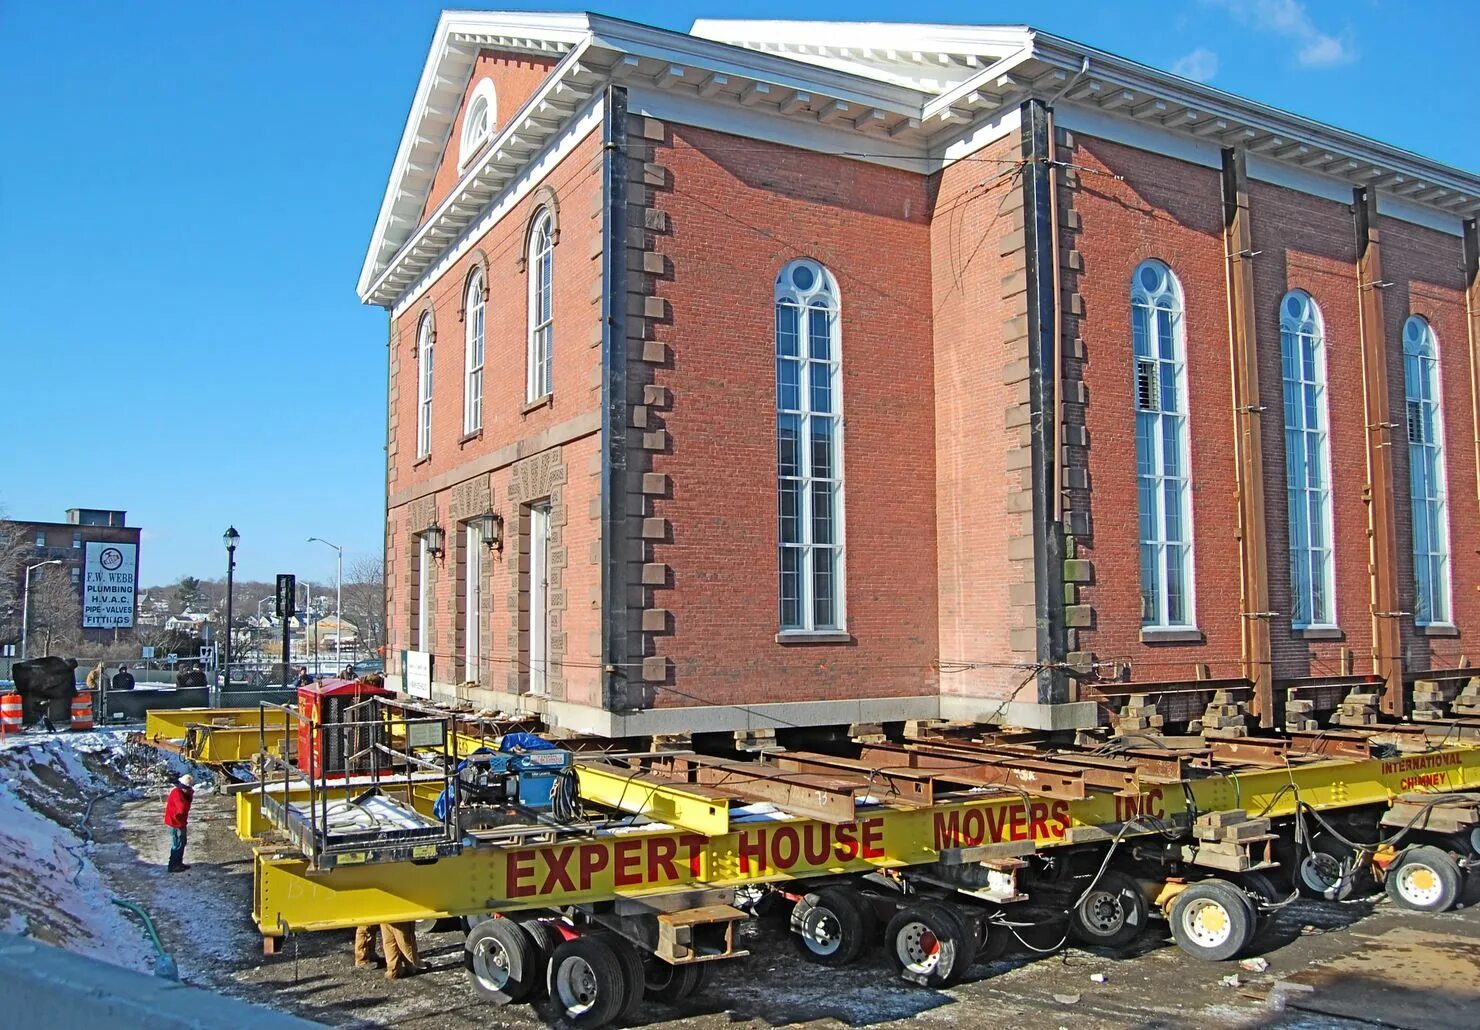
(82, 718)
(12, 711)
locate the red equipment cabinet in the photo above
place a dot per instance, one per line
(323, 753)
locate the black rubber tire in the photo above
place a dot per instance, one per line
(1424, 878)
(672, 984)
(931, 944)
(1328, 854)
(587, 982)
(546, 939)
(831, 927)
(632, 966)
(992, 938)
(1212, 920)
(502, 963)
(1112, 914)
(1261, 886)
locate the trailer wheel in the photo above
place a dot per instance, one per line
(587, 981)
(1213, 920)
(672, 984)
(545, 940)
(502, 961)
(931, 944)
(1424, 879)
(1261, 885)
(991, 939)
(1112, 913)
(832, 926)
(632, 967)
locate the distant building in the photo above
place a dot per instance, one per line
(67, 542)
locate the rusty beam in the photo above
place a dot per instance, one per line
(1110, 773)
(904, 786)
(1332, 744)
(828, 798)
(1382, 530)
(1055, 783)
(1248, 448)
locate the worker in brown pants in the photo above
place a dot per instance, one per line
(397, 940)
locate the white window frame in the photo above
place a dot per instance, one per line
(541, 268)
(1428, 480)
(809, 290)
(1307, 463)
(472, 602)
(423, 592)
(539, 598)
(425, 360)
(474, 352)
(474, 134)
(1163, 455)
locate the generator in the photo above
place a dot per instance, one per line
(326, 752)
(506, 787)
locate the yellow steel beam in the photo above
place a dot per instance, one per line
(171, 723)
(687, 805)
(612, 864)
(252, 822)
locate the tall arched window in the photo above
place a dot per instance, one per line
(1427, 484)
(1161, 447)
(478, 123)
(541, 268)
(1307, 462)
(424, 341)
(810, 439)
(473, 388)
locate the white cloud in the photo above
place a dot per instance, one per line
(1200, 65)
(1315, 47)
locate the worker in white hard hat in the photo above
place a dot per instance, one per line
(177, 818)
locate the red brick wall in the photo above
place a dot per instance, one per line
(977, 208)
(738, 210)
(577, 185)
(1424, 266)
(515, 79)
(1169, 210)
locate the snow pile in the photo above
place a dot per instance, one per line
(49, 888)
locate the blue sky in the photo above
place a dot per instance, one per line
(188, 191)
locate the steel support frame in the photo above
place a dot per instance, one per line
(1256, 659)
(1382, 532)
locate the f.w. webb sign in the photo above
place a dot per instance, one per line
(109, 575)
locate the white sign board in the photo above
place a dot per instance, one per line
(419, 674)
(109, 574)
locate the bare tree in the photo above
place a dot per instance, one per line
(12, 565)
(55, 611)
(364, 599)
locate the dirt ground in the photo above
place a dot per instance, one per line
(204, 920)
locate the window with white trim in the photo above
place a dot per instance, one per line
(1307, 462)
(1427, 482)
(423, 595)
(1162, 460)
(541, 266)
(809, 431)
(473, 351)
(472, 600)
(424, 339)
(478, 123)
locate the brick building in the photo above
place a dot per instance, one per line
(67, 543)
(1108, 342)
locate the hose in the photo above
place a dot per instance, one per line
(164, 964)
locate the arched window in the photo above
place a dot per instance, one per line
(1427, 484)
(473, 388)
(424, 341)
(1161, 447)
(541, 268)
(478, 123)
(809, 433)
(1307, 462)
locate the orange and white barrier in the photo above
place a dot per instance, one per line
(82, 712)
(12, 712)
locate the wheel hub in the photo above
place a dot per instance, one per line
(918, 947)
(1419, 884)
(491, 963)
(1103, 913)
(576, 985)
(825, 934)
(1207, 922)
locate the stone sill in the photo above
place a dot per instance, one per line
(539, 402)
(1158, 635)
(425, 459)
(814, 636)
(1318, 632)
(1439, 629)
(467, 438)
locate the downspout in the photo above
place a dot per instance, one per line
(1471, 244)
(615, 536)
(1058, 300)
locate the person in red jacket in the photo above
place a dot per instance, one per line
(177, 817)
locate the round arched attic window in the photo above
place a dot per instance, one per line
(478, 122)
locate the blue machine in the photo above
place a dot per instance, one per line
(522, 774)
(533, 775)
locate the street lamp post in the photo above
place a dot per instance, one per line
(230, 539)
(338, 601)
(26, 602)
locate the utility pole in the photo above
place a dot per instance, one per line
(230, 538)
(338, 602)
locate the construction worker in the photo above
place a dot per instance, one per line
(177, 818)
(397, 941)
(123, 679)
(96, 678)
